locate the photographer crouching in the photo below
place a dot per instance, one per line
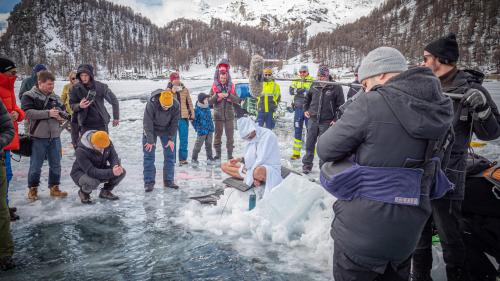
(45, 113)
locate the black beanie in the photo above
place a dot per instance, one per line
(444, 48)
(202, 97)
(6, 64)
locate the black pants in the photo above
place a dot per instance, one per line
(446, 215)
(345, 269)
(314, 131)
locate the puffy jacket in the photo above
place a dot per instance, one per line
(299, 88)
(92, 162)
(458, 81)
(65, 97)
(223, 108)
(6, 127)
(202, 123)
(32, 103)
(95, 115)
(158, 121)
(390, 126)
(9, 101)
(270, 97)
(184, 99)
(323, 102)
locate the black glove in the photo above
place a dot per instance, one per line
(476, 100)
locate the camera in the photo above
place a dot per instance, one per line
(64, 115)
(91, 95)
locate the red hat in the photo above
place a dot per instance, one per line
(174, 76)
(223, 68)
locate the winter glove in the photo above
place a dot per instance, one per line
(476, 100)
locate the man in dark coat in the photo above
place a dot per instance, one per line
(392, 134)
(320, 107)
(96, 162)
(474, 113)
(87, 101)
(29, 82)
(354, 89)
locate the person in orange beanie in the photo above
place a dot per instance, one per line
(96, 162)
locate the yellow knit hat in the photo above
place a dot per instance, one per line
(166, 98)
(100, 139)
(268, 70)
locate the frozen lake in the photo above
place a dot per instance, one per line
(163, 235)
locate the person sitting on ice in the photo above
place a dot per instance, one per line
(93, 153)
(261, 164)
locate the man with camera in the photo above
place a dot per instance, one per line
(44, 112)
(87, 101)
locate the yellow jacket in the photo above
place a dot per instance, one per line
(270, 97)
(65, 97)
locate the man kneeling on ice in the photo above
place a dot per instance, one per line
(395, 134)
(96, 162)
(261, 166)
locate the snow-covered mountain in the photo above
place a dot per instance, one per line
(319, 15)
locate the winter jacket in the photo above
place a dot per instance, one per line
(299, 88)
(223, 108)
(390, 126)
(323, 102)
(65, 97)
(6, 128)
(270, 97)
(9, 101)
(160, 122)
(92, 162)
(27, 84)
(353, 89)
(202, 123)
(32, 103)
(184, 99)
(457, 81)
(96, 115)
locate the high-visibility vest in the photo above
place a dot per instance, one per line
(270, 97)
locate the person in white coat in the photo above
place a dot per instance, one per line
(261, 165)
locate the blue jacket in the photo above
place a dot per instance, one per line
(202, 122)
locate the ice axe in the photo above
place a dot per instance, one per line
(256, 78)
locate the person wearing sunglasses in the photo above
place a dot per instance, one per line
(396, 130)
(298, 90)
(475, 113)
(65, 99)
(267, 102)
(8, 76)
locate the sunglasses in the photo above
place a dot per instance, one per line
(268, 75)
(73, 78)
(302, 72)
(426, 57)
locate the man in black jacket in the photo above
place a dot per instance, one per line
(390, 132)
(160, 121)
(354, 89)
(320, 107)
(87, 101)
(474, 113)
(6, 243)
(96, 162)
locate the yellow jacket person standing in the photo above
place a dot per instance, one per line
(268, 101)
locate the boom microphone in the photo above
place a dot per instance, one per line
(255, 75)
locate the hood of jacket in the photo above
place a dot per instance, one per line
(85, 68)
(416, 98)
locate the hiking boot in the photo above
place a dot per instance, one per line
(229, 155)
(148, 187)
(84, 197)
(6, 263)
(13, 215)
(306, 169)
(33, 193)
(183, 162)
(295, 157)
(171, 184)
(106, 194)
(56, 192)
(194, 162)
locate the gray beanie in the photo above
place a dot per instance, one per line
(381, 60)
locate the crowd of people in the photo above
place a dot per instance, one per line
(405, 141)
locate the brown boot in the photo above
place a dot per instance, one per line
(33, 193)
(56, 192)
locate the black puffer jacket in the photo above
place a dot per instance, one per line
(323, 102)
(458, 81)
(96, 115)
(158, 121)
(92, 162)
(390, 126)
